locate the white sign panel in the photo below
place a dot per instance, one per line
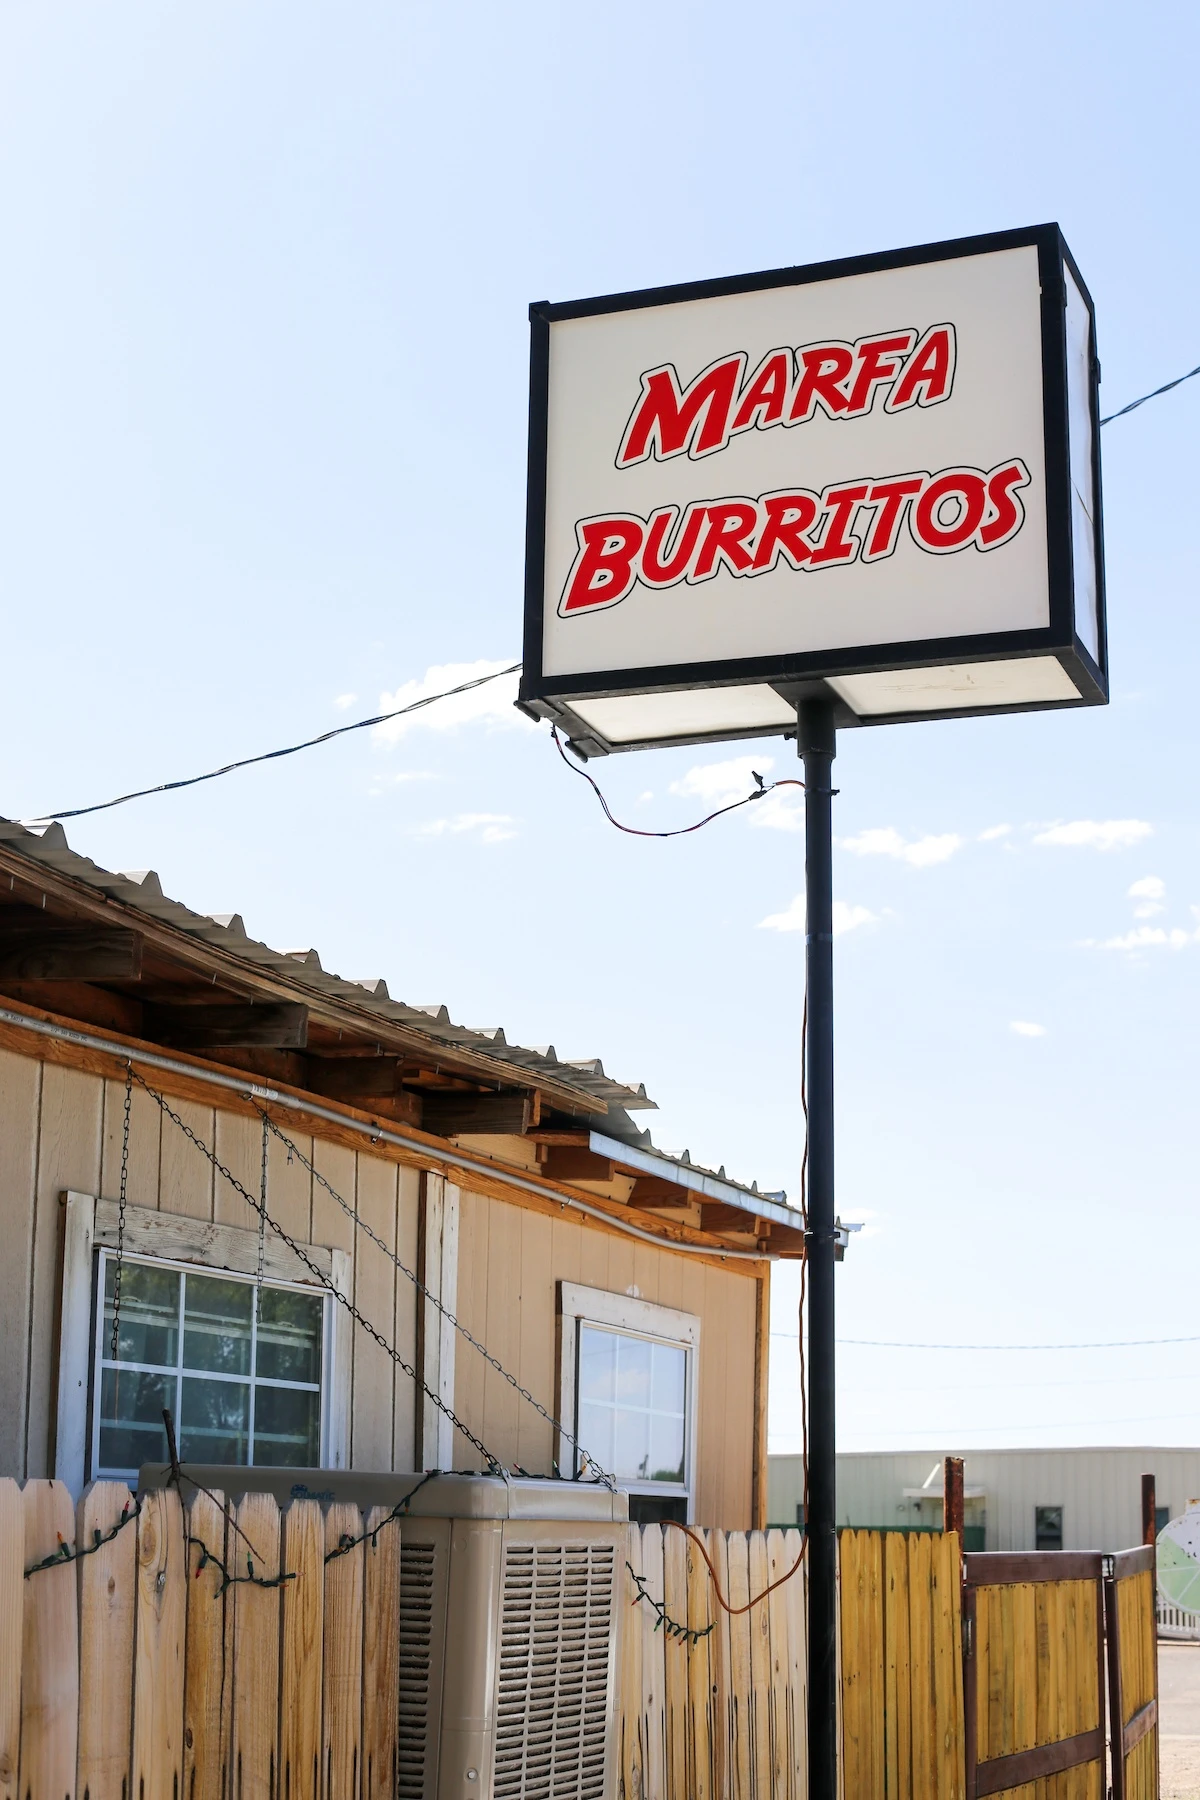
(879, 475)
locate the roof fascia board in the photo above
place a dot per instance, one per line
(711, 1187)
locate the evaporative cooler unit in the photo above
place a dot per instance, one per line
(510, 1608)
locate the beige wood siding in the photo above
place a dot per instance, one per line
(60, 1130)
(509, 1262)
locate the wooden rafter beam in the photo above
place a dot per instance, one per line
(460, 1115)
(562, 1163)
(275, 1025)
(69, 953)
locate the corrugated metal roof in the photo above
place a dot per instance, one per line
(141, 891)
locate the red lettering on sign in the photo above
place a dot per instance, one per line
(794, 530)
(949, 511)
(823, 368)
(656, 572)
(929, 372)
(880, 360)
(763, 398)
(788, 517)
(603, 571)
(666, 422)
(890, 500)
(841, 503)
(730, 524)
(1007, 515)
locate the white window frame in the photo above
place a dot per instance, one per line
(181, 1371)
(196, 1244)
(631, 1316)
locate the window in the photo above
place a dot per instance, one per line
(632, 1394)
(627, 1389)
(1047, 1527)
(242, 1380)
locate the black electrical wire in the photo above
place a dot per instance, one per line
(1153, 395)
(246, 762)
(760, 793)
(1099, 1344)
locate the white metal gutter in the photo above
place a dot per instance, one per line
(377, 1133)
(711, 1187)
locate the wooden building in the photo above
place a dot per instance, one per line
(145, 1045)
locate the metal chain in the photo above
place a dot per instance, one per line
(493, 1462)
(114, 1343)
(262, 1227)
(294, 1149)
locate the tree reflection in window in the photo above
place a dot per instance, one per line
(243, 1382)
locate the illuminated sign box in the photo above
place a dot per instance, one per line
(875, 480)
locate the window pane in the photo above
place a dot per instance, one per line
(216, 1421)
(670, 1366)
(149, 1314)
(131, 1410)
(666, 1448)
(597, 1364)
(595, 1433)
(216, 1325)
(289, 1338)
(632, 1445)
(287, 1426)
(633, 1372)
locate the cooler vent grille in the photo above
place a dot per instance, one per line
(555, 1635)
(416, 1656)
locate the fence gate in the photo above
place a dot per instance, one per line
(1034, 1665)
(1132, 1673)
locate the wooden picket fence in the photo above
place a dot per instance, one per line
(131, 1671)
(902, 1675)
(721, 1716)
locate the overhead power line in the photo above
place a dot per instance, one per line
(1153, 395)
(245, 762)
(1098, 1344)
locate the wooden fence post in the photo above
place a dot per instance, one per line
(953, 1498)
(12, 1609)
(1149, 1509)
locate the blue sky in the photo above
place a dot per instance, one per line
(262, 416)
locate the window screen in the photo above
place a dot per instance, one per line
(241, 1379)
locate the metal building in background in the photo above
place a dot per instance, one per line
(1086, 1499)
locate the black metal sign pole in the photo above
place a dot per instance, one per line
(816, 743)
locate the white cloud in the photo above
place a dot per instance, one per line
(1149, 892)
(1148, 937)
(782, 810)
(491, 705)
(920, 853)
(993, 832)
(345, 700)
(1093, 834)
(1026, 1028)
(720, 783)
(493, 828)
(845, 917)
